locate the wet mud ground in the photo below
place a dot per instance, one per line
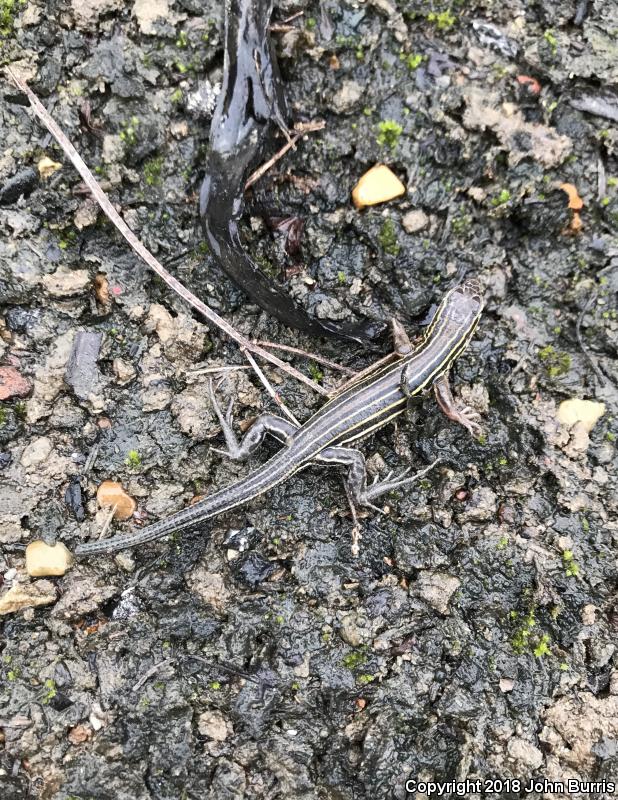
(474, 636)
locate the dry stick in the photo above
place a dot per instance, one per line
(269, 388)
(111, 213)
(152, 671)
(312, 356)
(301, 130)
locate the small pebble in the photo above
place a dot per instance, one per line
(377, 185)
(47, 167)
(13, 384)
(44, 559)
(110, 494)
(415, 221)
(27, 595)
(572, 411)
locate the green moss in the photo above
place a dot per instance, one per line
(3, 417)
(542, 648)
(8, 9)
(182, 40)
(128, 132)
(51, 692)
(521, 639)
(316, 373)
(462, 224)
(556, 363)
(413, 60)
(551, 41)
(443, 20)
(176, 96)
(365, 679)
(388, 238)
(501, 198)
(311, 23)
(571, 569)
(133, 460)
(215, 686)
(389, 132)
(341, 278)
(152, 171)
(354, 659)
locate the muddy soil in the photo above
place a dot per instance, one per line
(474, 635)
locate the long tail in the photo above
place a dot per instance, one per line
(258, 482)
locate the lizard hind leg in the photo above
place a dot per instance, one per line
(271, 424)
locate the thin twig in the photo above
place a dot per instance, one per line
(107, 522)
(214, 370)
(580, 338)
(152, 671)
(292, 17)
(301, 130)
(363, 373)
(269, 388)
(311, 356)
(114, 217)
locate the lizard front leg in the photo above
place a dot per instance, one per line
(276, 426)
(464, 415)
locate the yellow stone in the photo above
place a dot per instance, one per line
(111, 495)
(44, 559)
(27, 595)
(47, 167)
(377, 185)
(572, 411)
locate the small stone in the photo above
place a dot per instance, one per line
(87, 12)
(44, 559)
(377, 185)
(481, 506)
(160, 320)
(79, 734)
(47, 167)
(589, 614)
(209, 587)
(101, 289)
(27, 595)
(586, 412)
(112, 151)
(125, 561)
(82, 373)
(110, 494)
(123, 371)
(415, 221)
(86, 214)
(506, 684)
(13, 384)
(524, 753)
(36, 452)
(437, 588)
(214, 725)
(350, 631)
(347, 96)
(66, 282)
(98, 718)
(150, 12)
